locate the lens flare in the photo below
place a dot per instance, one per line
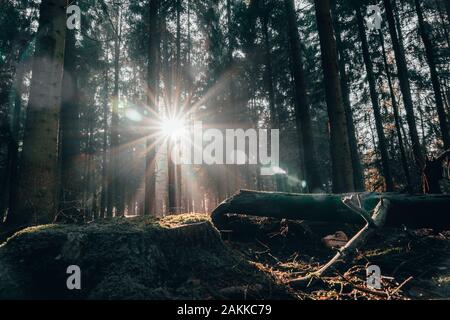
(173, 127)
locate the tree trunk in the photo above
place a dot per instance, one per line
(104, 195)
(172, 185)
(302, 112)
(114, 199)
(398, 125)
(445, 26)
(179, 108)
(38, 185)
(447, 9)
(9, 187)
(268, 75)
(425, 32)
(403, 77)
(152, 84)
(358, 174)
(70, 135)
(342, 170)
(375, 105)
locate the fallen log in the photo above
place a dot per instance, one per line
(413, 211)
(374, 209)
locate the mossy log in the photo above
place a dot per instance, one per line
(414, 211)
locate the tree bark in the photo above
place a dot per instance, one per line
(398, 125)
(302, 108)
(425, 32)
(358, 174)
(403, 77)
(9, 187)
(104, 195)
(179, 108)
(374, 99)
(268, 76)
(70, 137)
(152, 84)
(36, 201)
(342, 171)
(447, 9)
(114, 197)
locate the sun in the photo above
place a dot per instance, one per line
(173, 127)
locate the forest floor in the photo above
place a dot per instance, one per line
(415, 264)
(183, 257)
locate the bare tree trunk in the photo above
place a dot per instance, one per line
(152, 84)
(172, 185)
(114, 197)
(425, 31)
(9, 188)
(343, 57)
(342, 170)
(403, 77)
(268, 76)
(398, 124)
(104, 195)
(70, 133)
(375, 105)
(302, 111)
(447, 9)
(36, 200)
(88, 171)
(442, 18)
(179, 190)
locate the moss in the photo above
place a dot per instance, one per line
(176, 257)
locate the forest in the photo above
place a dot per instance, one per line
(262, 131)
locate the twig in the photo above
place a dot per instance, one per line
(401, 285)
(373, 223)
(364, 289)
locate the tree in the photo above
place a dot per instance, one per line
(403, 78)
(268, 76)
(152, 98)
(374, 99)
(70, 135)
(425, 32)
(302, 113)
(398, 124)
(343, 57)
(342, 171)
(36, 200)
(114, 188)
(105, 171)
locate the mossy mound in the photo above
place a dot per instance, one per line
(181, 257)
